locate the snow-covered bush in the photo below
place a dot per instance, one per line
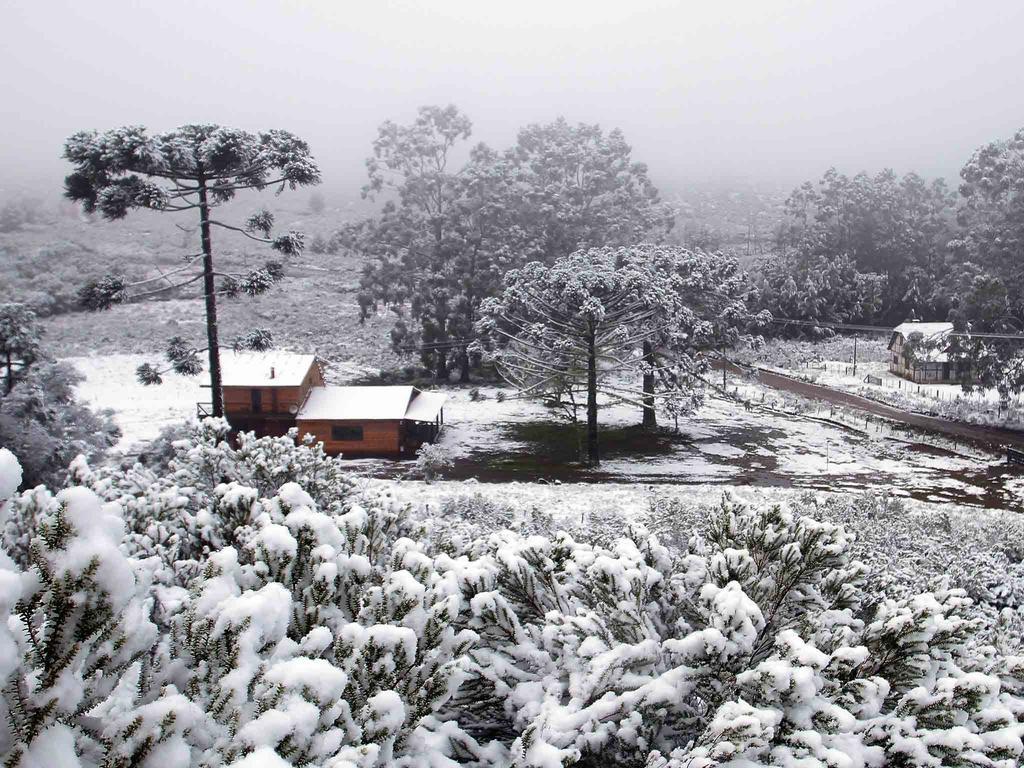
(460, 522)
(77, 646)
(908, 549)
(330, 639)
(345, 635)
(912, 551)
(204, 500)
(751, 648)
(431, 459)
(43, 423)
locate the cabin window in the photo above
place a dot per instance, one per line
(256, 396)
(346, 434)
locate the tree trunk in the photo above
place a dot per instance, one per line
(209, 288)
(650, 417)
(9, 384)
(441, 363)
(593, 455)
(464, 366)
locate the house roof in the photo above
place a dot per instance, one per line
(928, 330)
(932, 333)
(264, 369)
(425, 406)
(393, 403)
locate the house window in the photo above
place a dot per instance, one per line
(346, 434)
(256, 400)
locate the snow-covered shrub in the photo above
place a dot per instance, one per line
(330, 639)
(43, 423)
(908, 550)
(911, 551)
(752, 647)
(78, 617)
(205, 499)
(458, 523)
(347, 636)
(431, 459)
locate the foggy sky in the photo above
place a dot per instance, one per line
(764, 90)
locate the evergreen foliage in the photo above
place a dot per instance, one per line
(888, 230)
(42, 420)
(590, 324)
(447, 235)
(348, 634)
(192, 168)
(19, 342)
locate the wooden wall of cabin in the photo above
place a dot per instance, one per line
(380, 438)
(314, 378)
(273, 400)
(275, 416)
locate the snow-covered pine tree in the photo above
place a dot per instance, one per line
(572, 332)
(192, 168)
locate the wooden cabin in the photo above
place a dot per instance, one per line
(269, 393)
(263, 391)
(372, 421)
(917, 352)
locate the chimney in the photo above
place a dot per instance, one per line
(271, 371)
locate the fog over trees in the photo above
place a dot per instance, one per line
(774, 93)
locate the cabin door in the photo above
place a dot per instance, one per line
(257, 400)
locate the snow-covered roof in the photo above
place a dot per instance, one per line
(393, 403)
(425, 406)
(931, 333)
(356, 403)
(264, 369)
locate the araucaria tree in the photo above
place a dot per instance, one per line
(711, 301)
(192, 168)
(582, 331)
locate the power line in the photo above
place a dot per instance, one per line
(881, 329)
(462, 342)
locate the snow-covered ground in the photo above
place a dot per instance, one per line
(949, 400)
(141, 411)
(727, 444)
(516, 440)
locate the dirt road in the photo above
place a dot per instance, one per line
(993, 438)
